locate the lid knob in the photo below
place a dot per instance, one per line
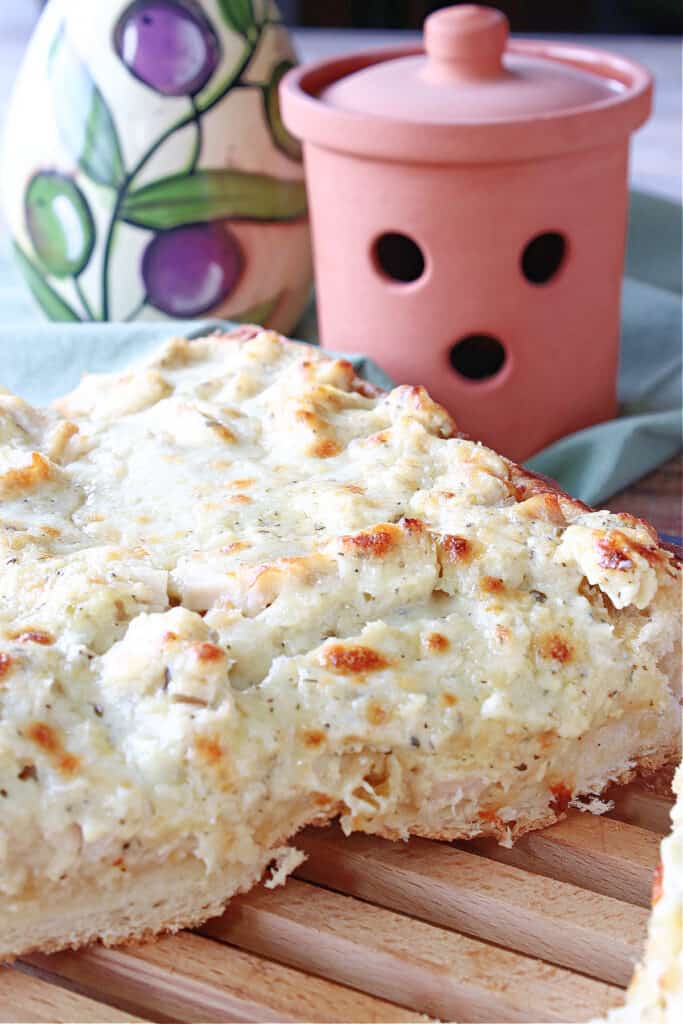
(466, 41)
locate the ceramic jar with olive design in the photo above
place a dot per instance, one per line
(146, 169)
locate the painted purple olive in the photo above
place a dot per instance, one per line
(169, 45)
(190, 269)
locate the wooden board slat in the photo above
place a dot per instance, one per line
(596, 853)
(435, 882)
(185, 977)
(641, 807)
(27, 999)
(418, 965)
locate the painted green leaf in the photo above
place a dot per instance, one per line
(213, 195)
(52, 304)
(84, 121)
(239, 15)
(59, 223)
(259, 314)
(285, 142)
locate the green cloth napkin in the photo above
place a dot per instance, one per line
(43, 360)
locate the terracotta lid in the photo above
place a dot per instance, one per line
(470, 94)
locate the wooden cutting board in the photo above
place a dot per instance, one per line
(377, 931)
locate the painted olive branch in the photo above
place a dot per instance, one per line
(198, 139)
(198, 109)
(87, 308)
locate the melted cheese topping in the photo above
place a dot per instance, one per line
(656, 992)
(228, 571)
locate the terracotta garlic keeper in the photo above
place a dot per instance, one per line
(469, 207)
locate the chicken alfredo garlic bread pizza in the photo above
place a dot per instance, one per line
(656, 992)
(241, 591)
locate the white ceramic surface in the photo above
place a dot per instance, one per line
(145, 168)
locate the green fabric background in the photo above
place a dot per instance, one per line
(43, 360)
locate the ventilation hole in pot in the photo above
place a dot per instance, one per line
(399, 257)
(543, 257)
(478, 356)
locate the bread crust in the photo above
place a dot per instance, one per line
(647, 768)
(220, 890)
